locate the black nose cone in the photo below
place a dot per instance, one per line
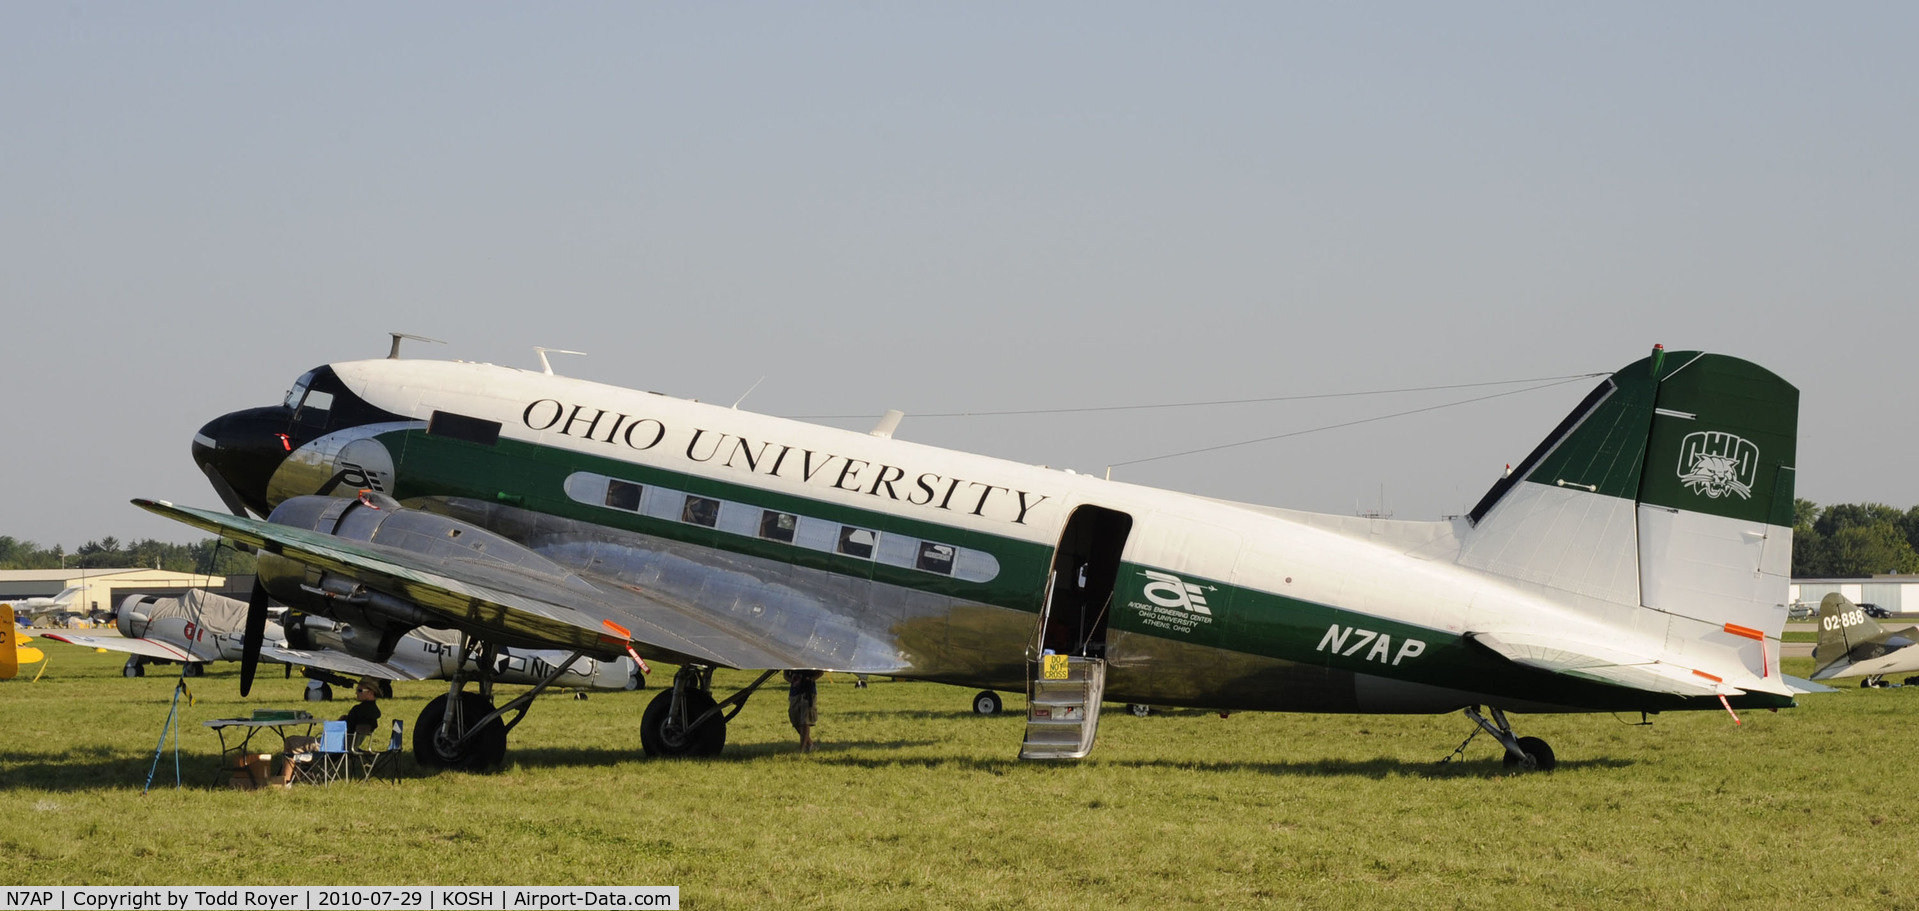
(239, 453)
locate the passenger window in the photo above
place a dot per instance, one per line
(935, 558)
(623, 495)
(778, 526)
(857, 542)
(701, 511)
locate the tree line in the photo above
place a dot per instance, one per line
(207, 556)
(1853, 539)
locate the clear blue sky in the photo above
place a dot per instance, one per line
(960, 207)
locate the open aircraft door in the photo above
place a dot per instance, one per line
(1066, 662)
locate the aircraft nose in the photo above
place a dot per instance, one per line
(239, 453)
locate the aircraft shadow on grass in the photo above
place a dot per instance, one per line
(1322, 768)
(94, 768)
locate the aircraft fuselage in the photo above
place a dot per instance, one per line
(849, 551)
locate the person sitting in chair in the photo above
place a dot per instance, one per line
(360, 721)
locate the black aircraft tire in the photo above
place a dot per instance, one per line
(657, 741)
(1542, 754)
(483, 751)
(986, 703)
(321, 693)
(193, 669)
(1139, 710)
(133, 669)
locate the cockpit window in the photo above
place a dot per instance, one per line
(318, 401)
(299, 390)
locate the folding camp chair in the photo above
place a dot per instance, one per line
(372, 761)
(327, 763)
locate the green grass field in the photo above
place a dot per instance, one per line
(915, 802)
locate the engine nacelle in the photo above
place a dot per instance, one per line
(378, 519)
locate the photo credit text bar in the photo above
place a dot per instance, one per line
(335, 898)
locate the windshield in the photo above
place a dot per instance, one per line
(299, 390)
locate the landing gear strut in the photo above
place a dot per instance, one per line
(685, 720)
(1523, 753)
(462, 730)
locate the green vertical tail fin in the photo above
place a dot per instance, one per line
(1670, 488)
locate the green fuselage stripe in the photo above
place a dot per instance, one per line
(1239, 620)
(536, 476)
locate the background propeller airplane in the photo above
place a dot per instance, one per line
(202, 626)
(1852, 644)
(1636, 560)
(15, 649)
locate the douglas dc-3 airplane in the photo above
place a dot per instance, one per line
(202, 626)
(1852, 644)
(1636, 560)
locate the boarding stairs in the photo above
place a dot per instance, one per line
(1062, 706)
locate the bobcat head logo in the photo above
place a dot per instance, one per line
(1717, 464)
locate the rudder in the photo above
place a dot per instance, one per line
(1671, 488)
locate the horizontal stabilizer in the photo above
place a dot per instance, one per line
(1801, 686)
(1597, 663)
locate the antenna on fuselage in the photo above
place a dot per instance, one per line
(393, 354)
(749, 391)
(889, 422)
(547, 368)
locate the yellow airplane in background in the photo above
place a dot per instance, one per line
(14, 647)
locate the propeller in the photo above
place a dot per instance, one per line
(228, 495)
(256, 631)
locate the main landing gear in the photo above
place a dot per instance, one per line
(1522, 753)
(685, 720)
(462, 730)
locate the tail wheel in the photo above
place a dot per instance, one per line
(483, 749)
(1542, 755)
(986, 703)
(1139, 710)
(662, 734)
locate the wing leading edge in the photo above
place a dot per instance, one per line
(496, 604)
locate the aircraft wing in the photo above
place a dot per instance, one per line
(337, 662)
(150, 648)
(498, 603)
(1592, 661)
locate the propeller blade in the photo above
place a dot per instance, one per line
(256, 631)
(228, 495)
